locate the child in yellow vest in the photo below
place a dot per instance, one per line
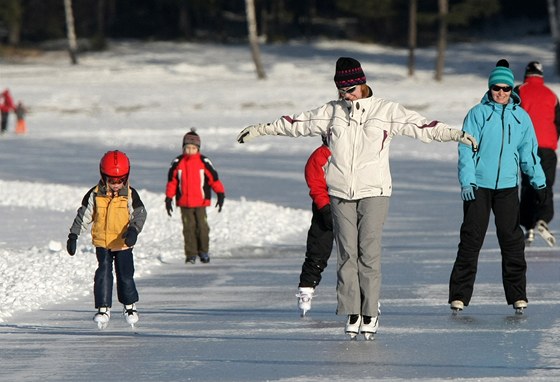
(118, 215)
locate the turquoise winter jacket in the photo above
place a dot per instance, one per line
(506, 143)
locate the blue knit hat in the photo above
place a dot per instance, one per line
(501, 74)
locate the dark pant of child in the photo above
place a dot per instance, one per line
(103, 281)
(196, 231)
(505, 205)
(319, 248)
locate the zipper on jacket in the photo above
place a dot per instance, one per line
(501, 148)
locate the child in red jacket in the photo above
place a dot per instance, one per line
(190, 180)
(320, 235)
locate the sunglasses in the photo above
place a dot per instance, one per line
(118, 180)
(348, 90)
(497, 88)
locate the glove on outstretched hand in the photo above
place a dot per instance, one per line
(467, 193)
(168, 206)
(130, 237)
(468, 139)
(326, 215)
(460, 136)
(542, 194)
(220, 202)
(71, 244)
(249, 133)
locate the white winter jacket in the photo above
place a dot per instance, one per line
(360, 133)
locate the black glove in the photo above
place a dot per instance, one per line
(71, 244)
(168, 205)
(326, 215)
(130, 237)
(542, 194)
(220, 202)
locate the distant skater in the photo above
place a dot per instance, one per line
(6, 106)
(190, 180)
(20, 111)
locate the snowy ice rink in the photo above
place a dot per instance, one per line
(235, 319)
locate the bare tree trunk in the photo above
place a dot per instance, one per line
(100, 41)
(71, 34)
(12, 11)
(442, 38)
(412, 29)
(253, 38)
(553, 16)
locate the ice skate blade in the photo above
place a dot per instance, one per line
(352, 335)
(543, 231)
(303, 313)
(455, 312)
(519, 311)
(102, 325)
(369, 336)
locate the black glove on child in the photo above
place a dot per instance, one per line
(71, 244)
(220, 203)
(326, 215)
(542, 194)
(168, 205)
(130, 237)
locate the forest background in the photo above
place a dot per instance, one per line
(31, 23)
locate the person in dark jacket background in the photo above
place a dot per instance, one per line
(320, 235)
(190, 180)
(542, 105)
(489, 181)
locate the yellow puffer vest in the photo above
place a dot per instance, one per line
(110, 219)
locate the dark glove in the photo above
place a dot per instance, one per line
(130, 237)
(168, 205)
(71, 244)
(542, 194)
(467, 193)
(326, 215)
(220, 202)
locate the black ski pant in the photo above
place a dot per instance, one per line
(530, 210)
(103, 281)
(505, 205)
(319, 248)
(4, 121)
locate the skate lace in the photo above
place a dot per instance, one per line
(305, 297)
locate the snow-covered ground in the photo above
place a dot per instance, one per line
(141, 99)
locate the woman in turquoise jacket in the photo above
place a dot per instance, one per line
(489, 182)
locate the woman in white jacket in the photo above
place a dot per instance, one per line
(360, 128)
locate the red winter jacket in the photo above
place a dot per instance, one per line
(190, 179)
(7, 104)
(315, 176)
(542, 106)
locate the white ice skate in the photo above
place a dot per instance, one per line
(529, 237)
(369, 326)
(305, 295)
(456, 306)
(130, 314)
(519, 306)
(102, 317)
(353, 325)
(542, 229)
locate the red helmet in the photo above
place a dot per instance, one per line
(114, 164)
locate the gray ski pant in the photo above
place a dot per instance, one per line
(358, 226)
